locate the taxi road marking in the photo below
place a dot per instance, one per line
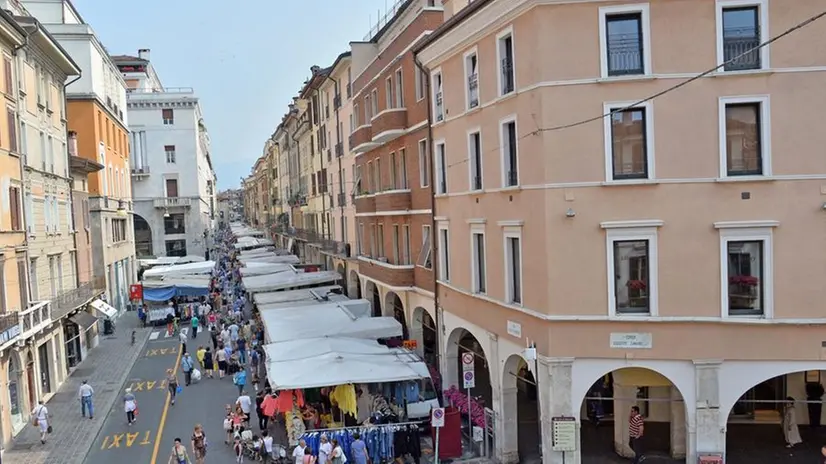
(148, 385)
(161, 351)
(126, 440)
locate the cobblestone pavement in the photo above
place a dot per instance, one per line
(106, 368)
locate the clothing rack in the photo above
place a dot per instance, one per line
(400, 424)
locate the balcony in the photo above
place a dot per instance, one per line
(365, 203)
(35, 319)
(361, 140)
(389, 274)
(9, 328)
(70, 300)
(140, 172)
(389, 125)
(173, 202)
(393, 200)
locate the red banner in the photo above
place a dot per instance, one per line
(136, 292)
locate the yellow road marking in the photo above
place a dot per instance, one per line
(162, 423)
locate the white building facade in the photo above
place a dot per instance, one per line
(173, 179)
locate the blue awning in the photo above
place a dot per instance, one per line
(158, 293)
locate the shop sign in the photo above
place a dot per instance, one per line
(136, 292)
(631, 340)
(410, 344)
(9, 334)
(515, 329)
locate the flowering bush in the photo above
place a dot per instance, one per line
(459, 399)
(636, 285)
(747, 280)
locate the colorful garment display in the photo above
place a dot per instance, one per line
(295, 426)
(269, 406)
(287, 398)
(344, 396)
(383, 443)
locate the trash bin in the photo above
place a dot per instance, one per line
(108, 327)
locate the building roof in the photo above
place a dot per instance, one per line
(454, 21)
(128, 59)
(84, 165)
(36, 29)
(319, 76)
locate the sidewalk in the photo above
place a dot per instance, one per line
(106, 368)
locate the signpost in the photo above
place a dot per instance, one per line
(469, 379)
(563, 433)
(437, 419)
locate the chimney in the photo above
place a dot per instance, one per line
(72, 143)
(143, 54)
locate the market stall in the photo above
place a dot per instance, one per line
(325, 320)
(308, 294)
(200, 268)
(271, 258)
(288, 280)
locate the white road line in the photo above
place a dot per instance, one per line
(154, 335)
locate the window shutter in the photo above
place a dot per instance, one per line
(12, 123)
(7, 76)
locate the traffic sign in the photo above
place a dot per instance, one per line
(467, 358)
(437, 417)
(469, 379)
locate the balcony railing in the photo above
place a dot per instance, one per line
(507, 76)
(35, 318)
(172, 202)
(314, 237)
(70, 300)
(742, 44)
(9, 327)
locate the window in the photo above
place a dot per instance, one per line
(172, 188)
(373, 240)
(175, 247)
(425, 254)
(168, 116)
(388, 93)
(33, 279)
(513, 266)
(625, 46)
(8, 75)
(60, 275)
(399, 89)
(632, 267)
(44, 161)
(421, 84)
(24, 139)
(745, 144)
(367, 106)
(478, 270)
(170, 153)
(438, 103)
(441, 168)
(510, 157)
(504, 54)
(377, 172)
(174, 224)
(471, 80)
(405, 247)
(746, 268)
(53, 276)
(741, 28)
(374, 103)
(475, 157)
(393, 172)
(403, 169)
(380, 241)
(14, 205)
(444, 254)
(629, 151)
(72, 268)
(424, 164)
(360, 240)
(28, 212)
(50, 151)
(12, 124)
(396, 245)
(3, 307)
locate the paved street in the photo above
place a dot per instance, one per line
(150, 439)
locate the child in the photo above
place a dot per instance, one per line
(256, 447)
(255, 380)
(238, 448)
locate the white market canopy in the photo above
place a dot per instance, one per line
(178, 281)
(285, 280)
(265, 268)
(269, 259)
(337, 368)
(293, 295)
(244, 231)
(358, 308)
(326, 320)
(201, 268)
(252, 242)
(170, 260)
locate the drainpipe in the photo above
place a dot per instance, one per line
(434, 248)
(22, 165)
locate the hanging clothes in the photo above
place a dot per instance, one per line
(287, 398)
(269, 406)
(345, 397)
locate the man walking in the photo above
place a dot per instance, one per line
(85, 393)
(636, 429)
(195, 322)
(187, 364)
(182, 338)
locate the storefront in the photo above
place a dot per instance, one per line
(78, 335)
(16, 401)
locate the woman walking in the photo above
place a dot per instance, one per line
(790, 429)
(199, 444)
(130, 406)
(208, 364)
(179, 455)
(172, 384)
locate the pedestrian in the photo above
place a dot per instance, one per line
(245, 403)
(325, 449)
(358, 449)
(172, 385)
(182, 338)
(636, 430)
(41, 419)
(233, 331)
(338, 453)
(259, 410)
(199, 444)
(242, 350)
(214, 334)
(179, 455)
(308, 456)
(85, 394)
(187, 364)
(208, 363)
(240, 380)
(170, 321)
(267, 451)
(790, 429)
(199, 355)
(221, 357)
(238, 450)
(298, 452)
(194, 321)
(228, 424)
(130, 406)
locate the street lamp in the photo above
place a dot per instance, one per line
(121, 208)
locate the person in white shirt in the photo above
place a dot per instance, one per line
(246, 404)
(41, 417)
(85, 394)
(324, 450)
(267, 446)
(298, 452)
(182, 337)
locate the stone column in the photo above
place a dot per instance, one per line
(417, 333)
(554, 378)
(495, 367)
(678, 424)
(709, 435)
(623, 400)
(508, 452)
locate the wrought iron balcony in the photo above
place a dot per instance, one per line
(741, 46)
(9, 327)
(70, 300)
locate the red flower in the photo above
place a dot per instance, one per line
(747, 280)
(636, 285)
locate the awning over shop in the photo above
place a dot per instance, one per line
(294, 295)
(165, 288)
(251, 242)
(326, 320)
(83, 320)
(104, 308)
(285, 280)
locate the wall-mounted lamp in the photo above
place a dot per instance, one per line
(121, 208)
(570, 213)
(166, 213)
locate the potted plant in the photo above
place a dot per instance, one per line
(742, 290)
(637, 293)
(814, 393)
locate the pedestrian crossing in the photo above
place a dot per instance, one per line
(165, 334)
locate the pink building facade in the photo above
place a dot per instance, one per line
(659, 244)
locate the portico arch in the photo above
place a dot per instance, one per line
(393, 307)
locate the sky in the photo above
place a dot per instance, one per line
(246, 59)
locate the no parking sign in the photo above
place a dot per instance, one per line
(437, 417)
(469, 378)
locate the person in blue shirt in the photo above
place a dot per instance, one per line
(194, 326)
(187, 365)
(240, 381)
